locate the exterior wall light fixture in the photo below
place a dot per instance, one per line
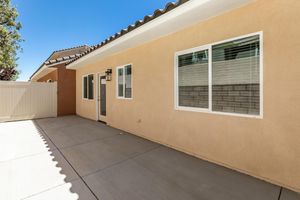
(108, 74)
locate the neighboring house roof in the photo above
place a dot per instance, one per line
(58, 60)
(60, 56)
(157, 13)
(67, 52)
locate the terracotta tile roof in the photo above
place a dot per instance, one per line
(63, 55)
(67, 52)
(65, 58)
(157, 13)
(72, 48)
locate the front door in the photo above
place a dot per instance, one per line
(102, 98)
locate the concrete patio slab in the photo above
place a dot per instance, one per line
(31, 175)
(204, 180)
(130, 145)
(74, 158)
(111, 150)
(74, 190)
(53, 124)
(91, 157)
(21, 139)
(289, 195)
(78, 134)
(129, 180)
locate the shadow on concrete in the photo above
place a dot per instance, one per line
(63, 180)
(113, 166)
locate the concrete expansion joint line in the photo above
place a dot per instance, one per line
(122, 161)
(22, 157)
(280, 192)
(68, 162)
(44, 191)
(91, 141)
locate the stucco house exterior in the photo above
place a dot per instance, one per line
(54, 70)
(215, 79)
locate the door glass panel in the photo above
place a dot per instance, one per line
(128, 82)
(120, 83)
(103, 95)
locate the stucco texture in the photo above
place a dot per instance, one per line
(66, 87)
(266, 148)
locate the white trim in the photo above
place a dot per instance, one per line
(210, 78)
(97, 97)
(261, 74)
(185, 15)
(176, 62)
(188, 109)
(117, 82)
(209, 47)
(100, 117)
(194, 49)
(82, 92)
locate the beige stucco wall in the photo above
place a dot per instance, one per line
(267, 148)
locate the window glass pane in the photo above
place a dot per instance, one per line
(193, 79)
(120, 83)
(235, 76)
(128, 82)
(91, 86)
(85, 87)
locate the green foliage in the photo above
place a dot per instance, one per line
(9, 41)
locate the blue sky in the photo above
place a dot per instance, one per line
(50, 25)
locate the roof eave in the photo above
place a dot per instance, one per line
(185, 15)
(47, 66)
(44, 70)
(62, 61)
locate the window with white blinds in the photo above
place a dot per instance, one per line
(88, 87)
(193, 79)
(223, 77)
(124, 82)
(235, 76)
(127, 86)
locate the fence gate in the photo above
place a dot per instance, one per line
(27, 100)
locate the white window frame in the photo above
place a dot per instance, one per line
(117, 82)
(87, 76)
(209, 48)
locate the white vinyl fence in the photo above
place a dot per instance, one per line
(27, 100)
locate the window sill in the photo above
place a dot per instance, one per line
(87, 99)
(207, 111)
(122, 98)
